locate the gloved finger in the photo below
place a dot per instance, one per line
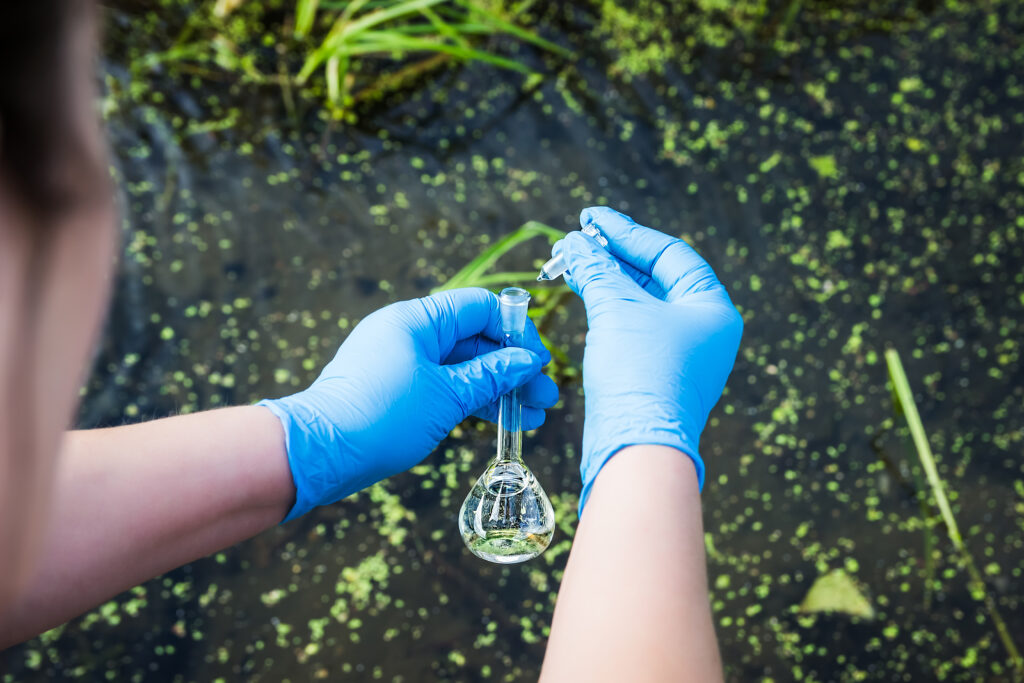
(532, 417)
(472, 347)
(457, 314)
(482, 380)
(593, 273)
(670, 262)
(644, 280)
(532, 341)
(540, 392)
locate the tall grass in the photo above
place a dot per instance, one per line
(343, 51)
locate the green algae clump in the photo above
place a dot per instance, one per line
(837, 592)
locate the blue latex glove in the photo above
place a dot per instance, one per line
(662, 339)
(402, 380)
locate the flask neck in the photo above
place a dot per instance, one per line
(510, 428)
(512, 306)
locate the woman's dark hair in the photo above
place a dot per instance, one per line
(44, 156)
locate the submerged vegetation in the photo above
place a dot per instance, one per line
(853, 171)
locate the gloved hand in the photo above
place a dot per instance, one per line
(402, 380)
(662, 339)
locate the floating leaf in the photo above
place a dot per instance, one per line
(837, 592)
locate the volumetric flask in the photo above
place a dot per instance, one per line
(507, 517)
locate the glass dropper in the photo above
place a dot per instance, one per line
(556, 265)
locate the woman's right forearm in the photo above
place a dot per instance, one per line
(633, 604)
(132, 502)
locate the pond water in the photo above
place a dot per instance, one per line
(856, 195)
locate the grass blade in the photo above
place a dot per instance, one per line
(343, 5)
(502, 278)
(333, 81)
(396, 43)
(198, 51)
(379, 16)
(305, 14)
(354, 6)
(924, 451)
(443, 27)
(345, 28)
(470, 274)
(463, 29)
(514, 30)
(901, 387)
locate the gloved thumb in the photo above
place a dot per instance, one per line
(484, 379)
(593, 273)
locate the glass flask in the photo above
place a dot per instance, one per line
(507, 517)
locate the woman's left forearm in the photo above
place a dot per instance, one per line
(132, 502)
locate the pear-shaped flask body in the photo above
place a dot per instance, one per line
(507, 517)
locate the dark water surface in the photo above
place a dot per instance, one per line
(854, 196)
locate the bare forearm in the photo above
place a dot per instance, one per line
(135, 501)
(634, 599)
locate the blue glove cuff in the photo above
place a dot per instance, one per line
(653, 437)
(305, 431)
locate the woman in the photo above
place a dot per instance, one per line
(87, 514)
